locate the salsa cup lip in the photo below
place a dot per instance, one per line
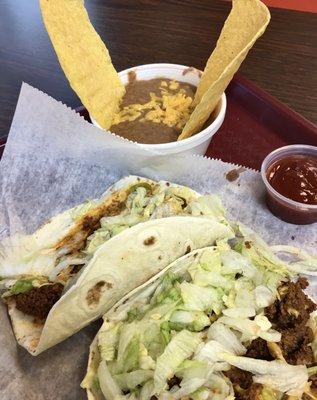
(193, 140)
(281, 152)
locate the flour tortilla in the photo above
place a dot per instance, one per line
(123, 263)
(37, 254)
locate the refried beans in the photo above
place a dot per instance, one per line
(154, 111)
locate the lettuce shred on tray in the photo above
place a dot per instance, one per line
(232, 324)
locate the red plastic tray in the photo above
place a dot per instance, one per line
(255, 124)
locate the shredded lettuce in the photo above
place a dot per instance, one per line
(145, 360)
(182, 346)
(134, 314)
(220, 387)
(210, 260)
(108, 342)
(200, 298)
(146, 390)
(239, 312)
(261, 255)
(162, 311)
(189, 386)
(252, 329)
(22, 286)
(153, 340)
(96, 240)
(312, 370)
(201, 277)
(167, 290)
(128, 348)
(190, 368)
(234, 263)
(202, 393)
(108, 385)
(224, 335)
(212, 351)
(199, 380)
(289, 379)
(130, 380)
(145, 185)
(263, 296)
(192, 320)
(207, 205)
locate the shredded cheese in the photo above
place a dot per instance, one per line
(169, 108)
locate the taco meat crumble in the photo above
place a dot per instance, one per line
(289, 316)
(258, 349)
(39, 300)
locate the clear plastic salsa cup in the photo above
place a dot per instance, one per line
(287, 209)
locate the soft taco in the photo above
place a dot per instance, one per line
(80, 263)
(226, 322)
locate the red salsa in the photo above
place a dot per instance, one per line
(295, 177)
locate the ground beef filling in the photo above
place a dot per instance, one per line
(258, 349)
(39, 301)
(313, 380)
(174, 381)
(244, 387)
(290, 316)
(240, 379)
(242, 382)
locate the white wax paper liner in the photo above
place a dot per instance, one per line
(53, 160)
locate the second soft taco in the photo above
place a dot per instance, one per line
(225, 322)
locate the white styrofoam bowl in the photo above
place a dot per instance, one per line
(196, 144)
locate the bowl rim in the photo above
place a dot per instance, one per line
(184, 142)
(267, 162)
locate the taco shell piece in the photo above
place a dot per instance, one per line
(123, 263)
(246, 22)
(84, 58)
